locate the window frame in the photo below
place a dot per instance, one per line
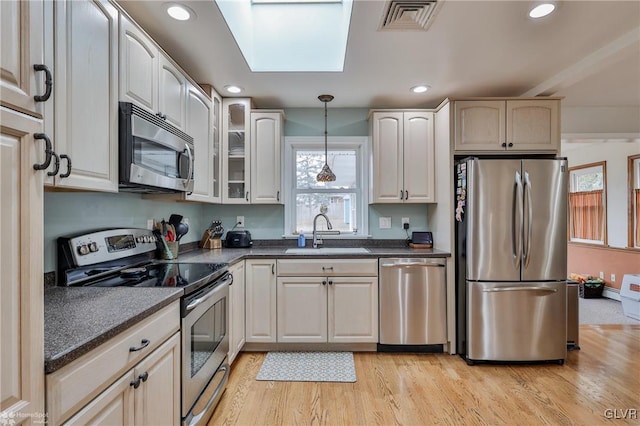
(633, 173)
(575, 169)
(361, 145)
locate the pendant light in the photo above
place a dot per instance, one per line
(325, 175)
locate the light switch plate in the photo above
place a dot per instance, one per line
(384, 223)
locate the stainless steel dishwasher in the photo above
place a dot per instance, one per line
(412, 300)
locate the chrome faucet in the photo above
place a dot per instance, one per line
(317, 241)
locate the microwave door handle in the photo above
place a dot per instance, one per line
(186, 147)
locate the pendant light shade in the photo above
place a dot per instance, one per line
(325, 175)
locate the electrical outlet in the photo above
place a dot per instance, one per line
(239, 221)
(602, 274)
(150, 224)
(613, 278)
(185, 220)
(384, 223)
(405, 223)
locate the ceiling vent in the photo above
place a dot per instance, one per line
(408, 15)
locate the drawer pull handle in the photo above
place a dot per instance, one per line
(48, 82)
(328, 268)
(144, 344)
(144, 376)
(135, 383)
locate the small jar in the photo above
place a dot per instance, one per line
(302, 241)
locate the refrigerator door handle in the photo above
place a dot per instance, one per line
(519, 288)
(516, 231)
(528, 219)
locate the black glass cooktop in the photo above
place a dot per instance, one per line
(161, 275)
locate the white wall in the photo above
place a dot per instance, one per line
(615, 153)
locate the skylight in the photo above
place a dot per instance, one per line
(288, 35)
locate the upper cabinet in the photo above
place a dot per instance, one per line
(507, 125)
(199, 126)
(148, 78)
(236, 147)
(266, 142)
(402, 157)
(84, 122)
(22, 49)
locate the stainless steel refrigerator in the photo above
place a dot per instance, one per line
(511, 251)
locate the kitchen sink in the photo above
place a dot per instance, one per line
(328, 250)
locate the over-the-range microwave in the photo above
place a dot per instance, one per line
(154, 156)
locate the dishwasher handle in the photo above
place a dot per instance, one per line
(403, 264)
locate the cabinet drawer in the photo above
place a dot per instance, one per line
(75, 384)
(328, 267)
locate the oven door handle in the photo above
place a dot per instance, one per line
(193, 419)
(200, 300)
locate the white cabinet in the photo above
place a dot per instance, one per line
(21, 49)
(199, 126)
(324, 300)
(507, 125)
(139, 59)
(402, 157)
(147, 395)
(172, 85)
(266, 144)
(260, 281)
(236, 311)
(236, 149)
(148, 78)
(114, 385)
(21, 280)
(84, 123)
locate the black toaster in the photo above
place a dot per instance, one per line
(238, 239)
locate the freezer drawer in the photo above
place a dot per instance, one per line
(516, 321)
(412, 302)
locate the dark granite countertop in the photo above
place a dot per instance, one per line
(79, 319)
(233, 255)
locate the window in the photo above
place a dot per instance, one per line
(343, 201)
(634, 201)
(587, 203)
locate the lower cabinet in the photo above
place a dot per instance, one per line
(132, 379)
(148, 394)
(316, 306)
(236, 311)
(260, 284)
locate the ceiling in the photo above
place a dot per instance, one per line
(586, 51)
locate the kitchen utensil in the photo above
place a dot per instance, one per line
(174, 219)
(181, 229)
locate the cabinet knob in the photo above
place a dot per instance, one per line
(504, 144)
(324, 282)
(135, 383)
(330, 282)
(510, 144)
(144, 376)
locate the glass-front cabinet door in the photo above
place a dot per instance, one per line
(216, 150)
(236, 147)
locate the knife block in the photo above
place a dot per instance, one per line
(209, 242)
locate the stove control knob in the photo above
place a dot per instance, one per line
(83, 249)
(145, 238)
(138, 239)
(93, 247)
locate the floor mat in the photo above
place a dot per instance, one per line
(308, 367)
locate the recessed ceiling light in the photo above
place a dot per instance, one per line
(542, 10)
(419, 89)
(233, 89)
(180, 12)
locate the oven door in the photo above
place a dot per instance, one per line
(205, 338)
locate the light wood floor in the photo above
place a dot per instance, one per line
(408, 389)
